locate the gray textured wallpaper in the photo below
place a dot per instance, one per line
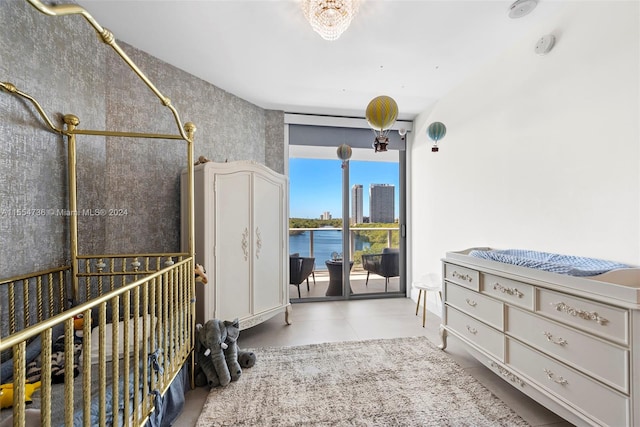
(62, 63)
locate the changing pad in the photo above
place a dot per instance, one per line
(556, 263)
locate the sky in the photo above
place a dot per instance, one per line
(315, 185)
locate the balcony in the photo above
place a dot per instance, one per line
(321, 243)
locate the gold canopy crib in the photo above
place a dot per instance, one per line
(137, 309)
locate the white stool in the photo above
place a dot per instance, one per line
(429, 282)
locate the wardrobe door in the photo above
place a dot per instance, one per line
(268, 250)
(233, 243)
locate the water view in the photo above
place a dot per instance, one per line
(325, 242)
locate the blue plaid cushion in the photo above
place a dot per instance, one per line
(556, 263)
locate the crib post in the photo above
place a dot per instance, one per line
(190, 129)
(72, 121)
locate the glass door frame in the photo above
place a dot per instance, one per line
(339, 122)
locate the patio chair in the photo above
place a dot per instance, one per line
(386, 264)
(300, 268)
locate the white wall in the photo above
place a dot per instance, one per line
(541, 152)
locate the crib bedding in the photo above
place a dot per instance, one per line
(58, 413)
(556, 263)
(112, 417)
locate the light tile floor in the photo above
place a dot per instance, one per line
(334, 321)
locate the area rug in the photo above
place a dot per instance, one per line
(382, 382)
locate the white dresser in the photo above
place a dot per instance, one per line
(241, 238)
(570, 343)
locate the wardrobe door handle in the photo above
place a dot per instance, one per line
(245, 243)
(258, 242)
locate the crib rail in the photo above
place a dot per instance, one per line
(145, 327)
(51, 291)
(99, 273)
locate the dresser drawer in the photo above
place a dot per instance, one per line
(511, 291)
(605, 405)
(600, 319)
(604, 361)
(476, 305)
(463, 276)
(483, 336)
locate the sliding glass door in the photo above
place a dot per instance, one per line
(365, 258)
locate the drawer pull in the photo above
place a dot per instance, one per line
(505, 373)
(472, 330)
(557, 380)
(510, 291)
(560, 341)
(471, 302)
(462, 276)
(586, 315)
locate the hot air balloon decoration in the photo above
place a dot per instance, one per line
(381, 114)
(344, 153)
(436, 131)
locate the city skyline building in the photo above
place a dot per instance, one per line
(325, 215)
(382, 203)
(356, 204)
(315, 185)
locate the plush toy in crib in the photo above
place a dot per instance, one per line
(58, 358)
(34, 369)
(6, 393)
(201, 274)
(218, 358)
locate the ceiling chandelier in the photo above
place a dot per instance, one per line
(330, 18)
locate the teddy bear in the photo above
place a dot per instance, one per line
(218, 358)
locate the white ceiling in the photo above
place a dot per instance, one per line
(265, 52)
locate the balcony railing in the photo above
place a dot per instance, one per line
(337, 246)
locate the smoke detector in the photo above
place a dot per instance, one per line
(521, 8)
(545, 44)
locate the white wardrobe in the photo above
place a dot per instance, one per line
(241, 238)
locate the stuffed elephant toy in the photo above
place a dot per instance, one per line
(231, 352)
(220, 361)
(246, 359)
(210, 347)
